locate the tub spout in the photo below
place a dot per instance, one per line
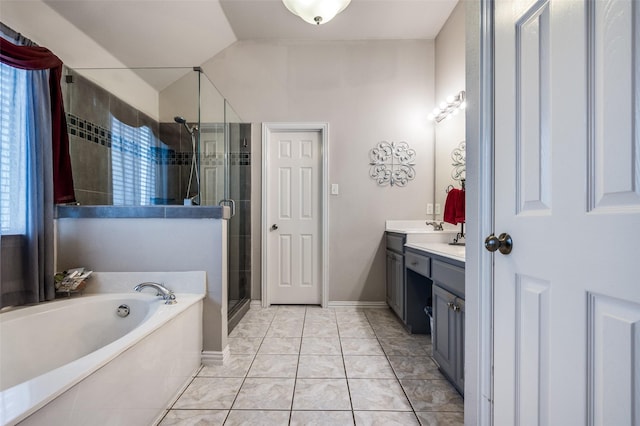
(167, 295)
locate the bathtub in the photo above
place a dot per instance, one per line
(76, 362)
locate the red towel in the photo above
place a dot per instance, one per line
(454, 207)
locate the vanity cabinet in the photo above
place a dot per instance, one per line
(448, 335)
(395, 273)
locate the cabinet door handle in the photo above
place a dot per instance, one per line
(450, 305)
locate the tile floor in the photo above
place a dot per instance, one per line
(297, 365)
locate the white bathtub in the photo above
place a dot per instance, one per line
(77, 362)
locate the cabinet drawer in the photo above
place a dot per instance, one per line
(448, 276)
(395, 242)
(420, 264)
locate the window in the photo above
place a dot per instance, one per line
(133, 165)
(13, 150)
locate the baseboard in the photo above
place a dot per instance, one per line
(215, 357)
(256, 304)
(353, 304)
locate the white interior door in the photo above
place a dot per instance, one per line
(567, 190)
(212, 164)
(294, 246)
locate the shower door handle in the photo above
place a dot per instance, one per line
(229, 202)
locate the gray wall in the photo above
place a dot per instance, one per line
(162, 245)
(368, 92)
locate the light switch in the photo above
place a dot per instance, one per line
(437, 208)
(430, 208)
(335, 189)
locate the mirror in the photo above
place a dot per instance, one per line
(449, 132)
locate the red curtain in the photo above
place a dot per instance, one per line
(40, 58)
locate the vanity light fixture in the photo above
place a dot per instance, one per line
(451, 107)
(316, 11)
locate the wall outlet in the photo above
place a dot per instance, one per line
(335, 189)
(437, 208)
(430, 208)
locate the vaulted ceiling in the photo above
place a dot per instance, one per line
(143, 33)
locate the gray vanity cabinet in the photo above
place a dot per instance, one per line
(448, 336)
(395, 273)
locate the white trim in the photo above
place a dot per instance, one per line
(478, 401)
(216, 357)
(349, 304)
(323, 128)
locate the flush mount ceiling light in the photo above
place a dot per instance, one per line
(316, 11)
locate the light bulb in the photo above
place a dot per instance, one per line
(450, 99)
(443, 106)
(463, 105)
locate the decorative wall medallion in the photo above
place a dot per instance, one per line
(392, 163)
(459, 157)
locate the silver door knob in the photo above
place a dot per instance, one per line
(274, 227)
(504, 243)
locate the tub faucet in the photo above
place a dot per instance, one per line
(167, 295)
(436, 226)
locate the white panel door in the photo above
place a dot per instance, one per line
(567, 190)
(294, 237)
(211, 165)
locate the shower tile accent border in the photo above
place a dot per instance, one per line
(94, 133)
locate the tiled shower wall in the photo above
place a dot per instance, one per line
(91, 110)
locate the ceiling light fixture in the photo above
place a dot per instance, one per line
(451, 107)
(316, 11)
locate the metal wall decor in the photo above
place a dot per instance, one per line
(392, 163)
(459, 157)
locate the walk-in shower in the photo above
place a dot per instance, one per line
(163, 136)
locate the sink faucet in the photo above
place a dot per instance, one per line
(167, 295)
(436, 226)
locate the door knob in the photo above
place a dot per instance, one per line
(274, 227)
(504, 243)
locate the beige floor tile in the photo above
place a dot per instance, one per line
(321, 367)
(321, 418)
(403, 347)
(352, 346)
(356, 331)
(265, 394)
(312, 329)
(244, 345)
(285, 329)
(280, 346)
(320, 346)
(321, 394)
(368, 367)
(235, 366)
(377, 395)
(441, 419)
(257, 417)
(385, 418)
(194, 418)
(411, 367)
(432, 395)
(209, 393)
(281, 366)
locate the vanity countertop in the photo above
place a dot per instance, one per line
(441, 249)
(417, 231)
(417, 227)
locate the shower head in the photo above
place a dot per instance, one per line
(181, 120)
